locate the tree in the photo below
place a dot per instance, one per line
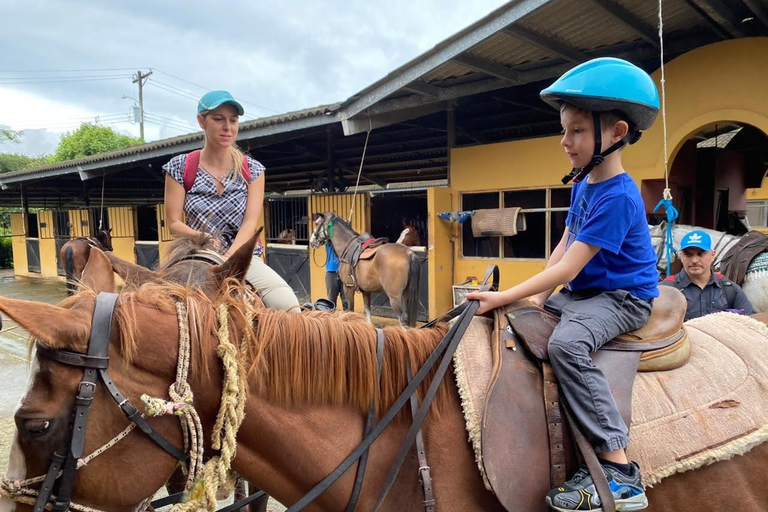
(91, 139)
(12, 162)
(10, 135)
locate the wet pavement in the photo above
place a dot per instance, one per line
(13, 347)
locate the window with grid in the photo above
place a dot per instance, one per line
(757, 213)
(545, 212)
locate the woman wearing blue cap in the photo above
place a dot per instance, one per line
(221, 191)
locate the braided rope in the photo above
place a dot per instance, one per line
(216, 472)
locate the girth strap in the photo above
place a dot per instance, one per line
(555, 426)
(421, 453)
(368, 427)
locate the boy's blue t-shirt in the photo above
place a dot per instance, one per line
(611, 215)
(332, 261)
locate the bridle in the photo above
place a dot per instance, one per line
(64, 462)
(325, 232)
(57, 485)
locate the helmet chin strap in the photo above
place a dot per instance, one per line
(579, 173)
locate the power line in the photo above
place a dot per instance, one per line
(180, 124)
(171, 90)
(66, 70)
(44, 81)
(207, 89)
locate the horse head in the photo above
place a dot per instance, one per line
(142, 352)
(104, 237)
(190, 261)
(323, 228)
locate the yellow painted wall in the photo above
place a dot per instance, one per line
(48, 266)
(725, 81)
(441, 237)
(19, 244)
(361, 222)
(79, 222)
(122, 221)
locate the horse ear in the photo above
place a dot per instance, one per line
(57, 327)
(133, 275)
(97, 274)
(237, 264)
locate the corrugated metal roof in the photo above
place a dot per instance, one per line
(176, 141)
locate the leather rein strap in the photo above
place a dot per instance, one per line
(94, 365)
(445, 349)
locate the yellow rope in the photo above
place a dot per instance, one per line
(216, 472)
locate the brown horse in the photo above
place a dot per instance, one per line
(394, 270)
(311, 378)
(410, 234)
(75, 255)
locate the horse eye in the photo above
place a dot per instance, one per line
(37, 427)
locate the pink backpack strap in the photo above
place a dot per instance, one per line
(245, 170)
(190, 169)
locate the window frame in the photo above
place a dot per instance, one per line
(548, 209)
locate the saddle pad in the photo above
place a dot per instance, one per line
(711, 409)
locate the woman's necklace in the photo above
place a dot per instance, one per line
(220, 179)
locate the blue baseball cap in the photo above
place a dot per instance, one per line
(698, 239)
(215, 99)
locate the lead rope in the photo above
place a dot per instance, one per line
(360, 171)
(666, 202)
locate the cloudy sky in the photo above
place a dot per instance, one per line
(67, 62)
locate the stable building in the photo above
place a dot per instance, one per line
(460, 127)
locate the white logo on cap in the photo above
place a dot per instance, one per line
(695, 238)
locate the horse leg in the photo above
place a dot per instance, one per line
(398, 305)
(367, 305)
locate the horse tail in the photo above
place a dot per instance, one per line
(411, 292)
(69, 268)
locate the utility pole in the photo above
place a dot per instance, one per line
(141, 79)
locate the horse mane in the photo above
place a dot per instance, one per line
(314, 358)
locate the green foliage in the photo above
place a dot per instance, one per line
(12, 162)
(10, 136)
(6, 252)
(91, 139)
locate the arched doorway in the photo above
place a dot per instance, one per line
(710, 174)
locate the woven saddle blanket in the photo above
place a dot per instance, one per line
(711, 409)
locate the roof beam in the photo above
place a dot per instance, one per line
(620, 13)
(720, 18)
(489, 67)
(377, 115)
(548, 43)
(420, 66)
(424, 89)
(344, 168)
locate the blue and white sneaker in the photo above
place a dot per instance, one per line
(579, 493)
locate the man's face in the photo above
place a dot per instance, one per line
(697, 263)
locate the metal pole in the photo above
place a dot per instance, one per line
(141, 80)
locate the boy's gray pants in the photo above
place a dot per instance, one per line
(588, 321)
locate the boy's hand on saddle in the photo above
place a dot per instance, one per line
(488, 301)
(539, 299)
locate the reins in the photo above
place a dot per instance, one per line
(445, 349)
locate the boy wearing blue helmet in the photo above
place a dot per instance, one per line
(605, 260)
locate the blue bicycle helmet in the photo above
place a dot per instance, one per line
(603, 85)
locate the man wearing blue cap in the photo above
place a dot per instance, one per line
(706, 291)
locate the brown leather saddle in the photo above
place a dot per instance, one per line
(736, 261)
(526, 444)
(363, 247)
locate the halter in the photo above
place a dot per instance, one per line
(326, 232)
(57, 484)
